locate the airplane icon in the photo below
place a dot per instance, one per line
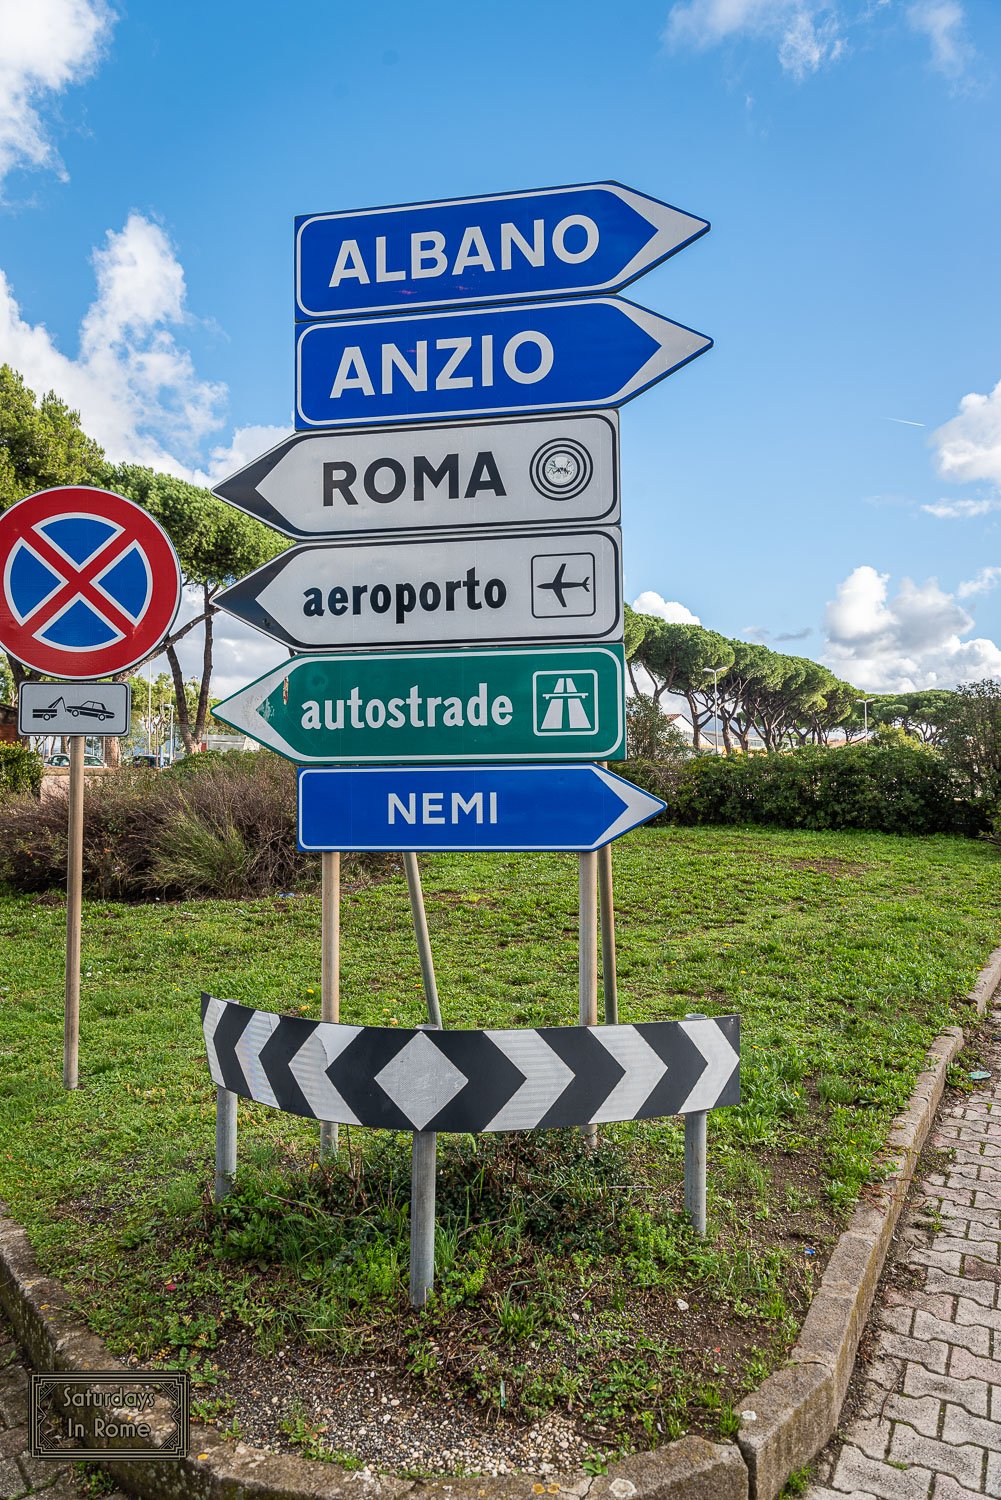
(561, 583)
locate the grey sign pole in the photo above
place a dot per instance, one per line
(606, 902)
(423, 938)
(330, 969)
(587, 968)
(74, 907)
(695, 1159)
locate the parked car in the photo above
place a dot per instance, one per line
(63, 760)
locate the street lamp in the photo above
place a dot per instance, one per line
(865, 716)
(715, 676)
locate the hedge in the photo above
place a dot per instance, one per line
(880, 788)
(20, 770)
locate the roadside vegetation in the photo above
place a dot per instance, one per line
(569, 1284)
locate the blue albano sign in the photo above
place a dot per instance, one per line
(531, 357)
(550, 242)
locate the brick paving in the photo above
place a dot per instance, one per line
(928, 1426)
(19, 1473)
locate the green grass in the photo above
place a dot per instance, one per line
(559, 1273)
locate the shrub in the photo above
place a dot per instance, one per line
(227, 830)
(894, 788)
(20, 770)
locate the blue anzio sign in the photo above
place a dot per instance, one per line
(568, 807)
(543, 356)
(551, 242)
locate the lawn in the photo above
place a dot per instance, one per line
(569, 1286)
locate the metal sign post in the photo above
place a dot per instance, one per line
(74, 913)
(89, 586)
(587, 964)
(330, 968)
(606, 903)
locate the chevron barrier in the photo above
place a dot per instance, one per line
(471, 1081)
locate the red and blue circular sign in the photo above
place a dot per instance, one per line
(89, 582)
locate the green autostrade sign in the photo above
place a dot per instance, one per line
(558, 703)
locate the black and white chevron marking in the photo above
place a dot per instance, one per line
(472, 1080)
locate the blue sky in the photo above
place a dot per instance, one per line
(827, 479)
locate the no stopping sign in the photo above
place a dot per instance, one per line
(89, 582)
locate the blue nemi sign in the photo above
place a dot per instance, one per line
(567, 807)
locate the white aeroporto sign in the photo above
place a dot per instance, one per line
(88, 708)
(503, 588)
(555, 471)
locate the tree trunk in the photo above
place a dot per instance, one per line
(183, 722)
(203, 692)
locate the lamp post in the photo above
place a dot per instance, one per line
(715, 676)
(865, 717)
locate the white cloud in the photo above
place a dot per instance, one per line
(135, 386)
(652, 603)
(943, 23)
(969, 444)
(961, 510)
(807, 33)
(985, 580)
(247, 444)
(902, 643)
(45, 45)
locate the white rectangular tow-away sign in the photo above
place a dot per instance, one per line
(90, 708)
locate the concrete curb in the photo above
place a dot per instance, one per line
(796, 1409)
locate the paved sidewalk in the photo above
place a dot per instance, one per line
(929, 1424)
(19, 1473)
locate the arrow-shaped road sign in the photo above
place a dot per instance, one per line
(550, 242)
(504, 588)
(543, 356)
(554, 704)
(401, 1079)
(550, 471)
(449, 807)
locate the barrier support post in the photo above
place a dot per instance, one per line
(422, 1215)
(225, 1142)
(695, 1160)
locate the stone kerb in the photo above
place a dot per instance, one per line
(795, 1411)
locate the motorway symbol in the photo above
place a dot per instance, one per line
(65, 708)
(575, 808)
(396, 1078)
(551, 242)
(502, 588)
(537, 357)
(551, 703)
(534, 471)
(90, 582)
